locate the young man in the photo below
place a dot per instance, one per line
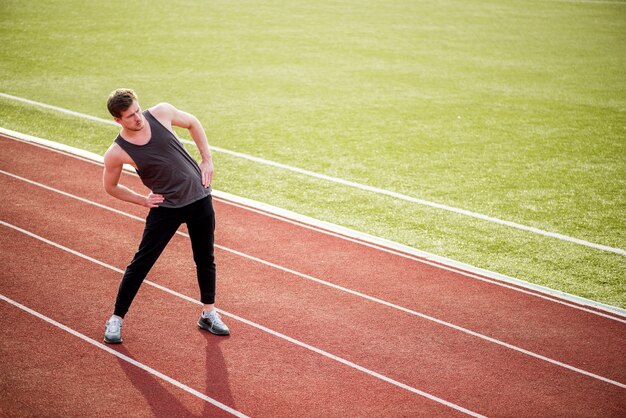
(180, 193)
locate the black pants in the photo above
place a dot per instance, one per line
(161, 225)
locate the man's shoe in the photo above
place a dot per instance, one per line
(113, 332)
(212, 322)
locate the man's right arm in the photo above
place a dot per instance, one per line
(113, 164)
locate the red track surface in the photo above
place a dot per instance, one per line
(446, 341)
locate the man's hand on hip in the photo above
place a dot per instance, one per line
(206, 168)
(153, 200)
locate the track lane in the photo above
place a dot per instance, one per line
(68, 216)
(54, 373)
(591, 343)
(253, 270)
(254, 373)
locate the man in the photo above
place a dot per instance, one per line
(180, 193)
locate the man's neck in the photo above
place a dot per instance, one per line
(140, 137)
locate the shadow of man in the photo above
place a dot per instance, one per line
(216, 373)
(165, 404)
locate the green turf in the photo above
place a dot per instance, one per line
(513, 109)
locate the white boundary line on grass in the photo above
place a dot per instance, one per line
(254, 325)
(123, 357)
(622, 3)
(352, 292)
(349, 234)
(356, 185)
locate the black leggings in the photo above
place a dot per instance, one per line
(161, 225)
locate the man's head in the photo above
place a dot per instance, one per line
(124, 107)
(119, 100)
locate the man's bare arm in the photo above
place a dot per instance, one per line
(113, 164)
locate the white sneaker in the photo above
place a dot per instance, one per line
(113, 332)
(213, 323)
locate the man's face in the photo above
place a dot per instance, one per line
(132, 119)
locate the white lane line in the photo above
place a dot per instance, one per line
(355, 293)
(323, 282)
(59, 109)
(423, 202)
(346, 290)
(349, 235)
(441, 263)
(356, 185)
(124, 357)
(250, 323)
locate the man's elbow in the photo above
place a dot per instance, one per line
(194, 123)
(110, 188)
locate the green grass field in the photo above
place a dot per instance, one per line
(512, 109)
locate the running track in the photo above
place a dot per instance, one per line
(321, 325)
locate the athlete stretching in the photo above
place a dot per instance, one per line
(180, 193)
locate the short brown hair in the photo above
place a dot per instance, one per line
(119, 100)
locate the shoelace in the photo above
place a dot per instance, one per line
(215, 317)
(113, 326)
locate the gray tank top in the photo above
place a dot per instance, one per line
(165, 167)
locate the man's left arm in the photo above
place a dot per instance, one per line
(192, 124)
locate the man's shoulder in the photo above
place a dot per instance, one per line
(115, 155)
(163, 111)
(165, 114)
